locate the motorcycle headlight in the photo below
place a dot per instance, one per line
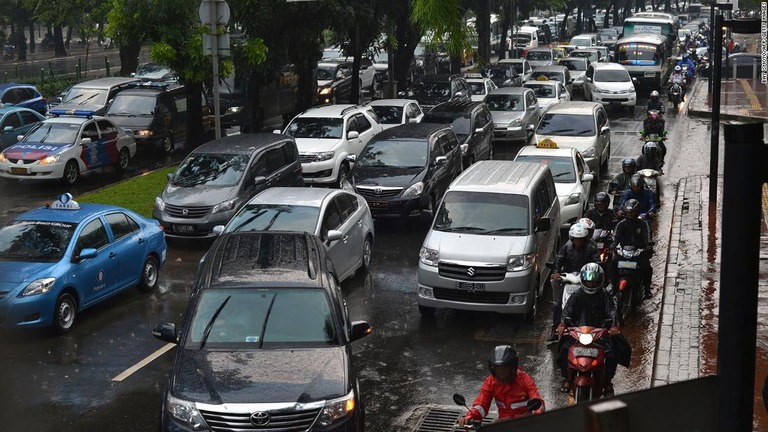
(337, 409)
(40, 286)
(324, 156)
(429, 257)
(159, 203)
(515, 123)
(224, 206)
(589, 153)
(186, 413)
(49, 160)
(326, 91)
(520, 262)
(573, 199)
(585, 338)
(415, 190)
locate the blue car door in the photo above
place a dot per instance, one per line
(12, 122)
(129, 246)
(96, 277)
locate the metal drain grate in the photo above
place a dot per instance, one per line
(443, 420)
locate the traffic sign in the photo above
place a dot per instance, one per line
(214, 12)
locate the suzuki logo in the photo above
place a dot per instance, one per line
(184, 212)
(260, 418)
(471, 271)
(377, 190)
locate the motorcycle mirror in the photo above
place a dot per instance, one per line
(534, 404)
(459, 400)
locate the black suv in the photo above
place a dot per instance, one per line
(473, 125)
(405, 170)
(435, 89)
(265, 343)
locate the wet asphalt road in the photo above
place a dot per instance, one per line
(66, 383)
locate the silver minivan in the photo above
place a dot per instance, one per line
(493, 232)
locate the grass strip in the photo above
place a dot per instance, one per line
(137, 193)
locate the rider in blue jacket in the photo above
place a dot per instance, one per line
(642, 194)
(686, 60)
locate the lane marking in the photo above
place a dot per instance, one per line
(765, 204)
(750, 95)
(147, 360)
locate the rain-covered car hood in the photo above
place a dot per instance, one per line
(132, 121)
(580, 143)
(316, 145)
(491, 249)
(29, 150)
(260, 375)
(387, 176)
(614, 86)
(536, 63)
(324, 83)
(13, 273)
(566, 189)
(577, 75)
(503, 118)
(98, 109)
(199, 195)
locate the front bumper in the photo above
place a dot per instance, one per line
(396, 207)
(324, 172)
(202, 227)
(623, 99)
(29, 311)
(33, 171)
(511, 133)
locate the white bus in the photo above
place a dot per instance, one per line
(645, 57)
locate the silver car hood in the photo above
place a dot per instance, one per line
(486, 249)
(502, 118)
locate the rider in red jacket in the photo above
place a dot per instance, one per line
(508, 384)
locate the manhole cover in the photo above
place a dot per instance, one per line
(443, 420)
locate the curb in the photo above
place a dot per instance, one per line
(703, 113)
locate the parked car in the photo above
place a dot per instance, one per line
(394, 112)
(577, 66)
(404, 171)
(61, 259)
(610, 84)
(218, 177)
(473, 125)
(556, 73)
(435, 89)
(480, 87)
(339, 218)
(265, 341)
(65, 146)
(14, 122)
(24, 96)
(503, 75)
(93, 95)
(512, 110)
(334, 81)
(548, 93)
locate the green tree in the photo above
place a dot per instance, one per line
(129, 24)
(58, 13)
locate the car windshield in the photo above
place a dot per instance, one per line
(581, 41)
(315, 127)
(583, 54)
(542, 90)
(130, 105)
(574, 65)
(522, 38)
(496, 72)
(50, 132)
(274, 217)
(388, 114)
(561, 167)
(35, 241)
(261, 318)
(381, 58)
(637, 55)
(612, 76)
(538, 56)
(460, 125)
(405, 153)
(431, 90)
(477, 88)
(547, 75)
(483, 213)
(83, 96)
(211, 169)
(326, 73)
(149, 68)
(567, 125)
(505, 102)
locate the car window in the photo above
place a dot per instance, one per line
(351, 126)
(352, 201)
(28, 117)
(290, 152)
(90, 131)
(542, 90)
(259, 167)
(345, 208)
(567, 125)
(480, 119)
(107, 128)
(12, 120)
(9, 97)
(561, 167)
(275, 160)
(483, 213)
(35, 241)
(132, 224)
(180, 100)
(390, 114)
(362, 123)
(93, 235)
(213, 169)
(275, 217)
(580, 164)
(331, 220)
(437, 148)
(451, 142)
(316, 127)
(119, 225)
(602, 119)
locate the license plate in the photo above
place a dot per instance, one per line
(585, 352)
(650, 74)
(183, 228)
(468, 286)
(628, 264)
(18, 170)
(377, 204)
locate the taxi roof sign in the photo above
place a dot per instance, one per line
(547, 143)
(64, 202)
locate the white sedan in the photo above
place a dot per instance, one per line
(64, 146)
(548, 92)
(393, 112)
(479, 87)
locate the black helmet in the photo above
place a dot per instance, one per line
(636, 180)
(632, 205)
(628, 162)
(502, 355)
(602, 197)
(591, 277)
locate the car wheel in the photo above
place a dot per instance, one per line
(65, 313)
(149, 275)
(530, 316)
(367, 253)
(122, 160)
(343, 173)
(167, 145)
(604, 166)
(71, 173)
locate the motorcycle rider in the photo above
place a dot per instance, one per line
(655, 103)
(654, 124)
(640, 193)
(620, 182)
(577, 251)
(651, 157)
(508, 384)
(679, 78)
(634, 232)
(589, 225)
(687, 61)
(600, 214)
(590, 306)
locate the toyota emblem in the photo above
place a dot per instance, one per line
(377, 191)
(471, 271)
(184, 212)
(260, 418)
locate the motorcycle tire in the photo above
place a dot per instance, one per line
(583, 394)
(623, 306)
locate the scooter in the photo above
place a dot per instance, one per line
(604, 238)
(651, 180)
(531, 406)
(628, 293)
(675, 94)
(586, 363)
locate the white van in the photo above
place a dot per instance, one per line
(526, 37)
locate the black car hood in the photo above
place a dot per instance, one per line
(387, 176)
(132, 122)
(260, 375)
(430, 100)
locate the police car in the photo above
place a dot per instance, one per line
(64, 146)
(572, 176)
(57, 260)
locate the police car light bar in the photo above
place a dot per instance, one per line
(73, 112)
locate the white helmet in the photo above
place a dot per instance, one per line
(678, 68)
(587, 222)
(578, 230)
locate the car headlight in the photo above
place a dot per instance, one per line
(324, 156)
(415, 190)
(515, 123)
(144, 133)
(589, 153)
(185, 412)
(585, 338)
(429, 257)
(159, 203)
(336, 409)
(521, 262)
(631, 89)
(325, 91)
(49, 160)
(573, 198)
(597, 90)
(3, 158)
(224, 206)
(40, 286)
(234, 110)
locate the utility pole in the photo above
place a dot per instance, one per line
(215, 13)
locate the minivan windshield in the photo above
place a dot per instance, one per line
(612, 76)
(483, 213)
(561, 167)
(538, 56)
(85, 96)
(505, 102)
(275, 217)
(405, 153)
(132, 105)
(35, 241)
(574, 65)
(315, 127)
(566, 124)
(211, 169)
(262, 317)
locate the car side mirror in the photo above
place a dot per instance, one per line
(353, 134)
(87, 253)
(605, 129)
(529, 128)
(587, 79)
(133, 74)
(401, 94)
(531, 108)
(351, 158)
(166, 332)
(634, 80)
(563, 97)
(440, 160)
(276, 131)
(85, 141)
(19, 137)
(218, 230)
(458, 94)
(413, 120)
(587, 177)
(478, 130)
(332, 236)
(543, 224)
(59, 99)
(259, 180)
(360, 329)
(7, 129)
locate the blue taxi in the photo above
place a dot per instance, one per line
(57, 260)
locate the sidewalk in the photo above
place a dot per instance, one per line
(741, 99)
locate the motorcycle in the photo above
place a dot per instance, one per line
(604, 238)
(531, 405)
(676, 93)
(571, 284)
(586, 363)
(651, 180)
(629, 292)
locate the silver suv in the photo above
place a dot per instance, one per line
(327, 135)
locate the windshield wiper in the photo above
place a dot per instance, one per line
(209, 326)
(266, 319)
(509, 229)
(561, 174)
(556, 131)
(461, 228)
